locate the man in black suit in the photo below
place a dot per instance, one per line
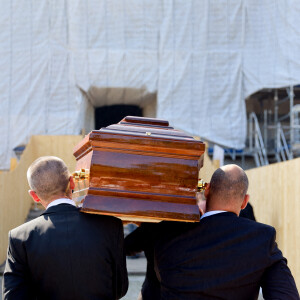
(144, 239)
(224, 256)
(63, 254)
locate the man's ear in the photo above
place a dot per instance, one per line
(34, 196)
(245, 201)
(72, 183)
(206, 191)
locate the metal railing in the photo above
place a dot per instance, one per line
(256, 144)
(296, 123)
(282, 151)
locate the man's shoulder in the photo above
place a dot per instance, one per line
(22, 231)
(214, 226)
(42, 223)
(246, 229)
(63, 210)
(239, 224)
(256, 225)
(230, 218)
(97, 218)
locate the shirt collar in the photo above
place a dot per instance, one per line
(211, 213)
(61, 201)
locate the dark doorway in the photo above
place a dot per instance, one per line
(112, 114)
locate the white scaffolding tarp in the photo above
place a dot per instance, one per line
(201, 57)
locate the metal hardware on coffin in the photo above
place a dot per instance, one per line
(81, 177)
(201, 185)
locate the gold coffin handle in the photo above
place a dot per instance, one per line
(81, 175)
(201, 185)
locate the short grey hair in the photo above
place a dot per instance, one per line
(48, 176)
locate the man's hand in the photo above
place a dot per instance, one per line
(201, 202)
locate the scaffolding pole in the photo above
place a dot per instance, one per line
(291, 95)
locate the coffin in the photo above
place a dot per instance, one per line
(140, 169)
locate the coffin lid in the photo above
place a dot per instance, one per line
(145, 134)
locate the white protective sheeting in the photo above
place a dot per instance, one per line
(201, 57)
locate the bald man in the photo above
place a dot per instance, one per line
(224, 256)
(63, 254)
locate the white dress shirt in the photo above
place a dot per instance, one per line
(61, 201)
(211, 213)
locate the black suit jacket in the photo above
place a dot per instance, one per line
(223, 257)
(144, 239)
(248, 212)
(65, 254)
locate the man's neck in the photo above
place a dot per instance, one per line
(45, 203)
(61, 200)
(222, 208)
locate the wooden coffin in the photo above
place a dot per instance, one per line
(140, 169)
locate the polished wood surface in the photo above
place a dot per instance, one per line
(144, 121)
(140, 169)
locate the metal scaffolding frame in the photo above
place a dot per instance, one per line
(283, 138)
(276, 137)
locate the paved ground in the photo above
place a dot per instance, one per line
(136, 266)
(135, 284)
(136, 273)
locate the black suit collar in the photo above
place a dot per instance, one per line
(60, 208)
